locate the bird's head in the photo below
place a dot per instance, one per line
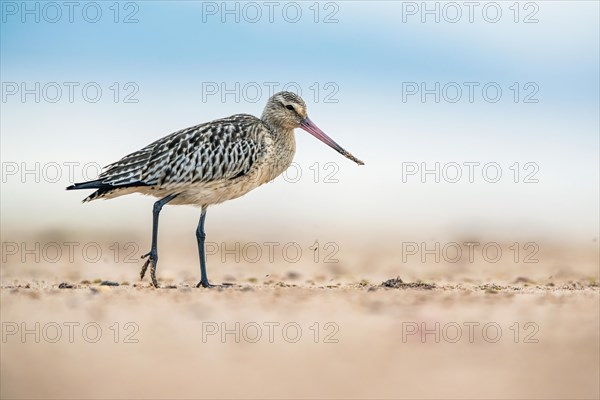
(287, 111)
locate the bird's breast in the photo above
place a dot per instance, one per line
(279, 157)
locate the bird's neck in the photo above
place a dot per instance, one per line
(284, 140)
(284, 148)
(281, 136)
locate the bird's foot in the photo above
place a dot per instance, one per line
(204, 283)
(207, 285)
(151, 261)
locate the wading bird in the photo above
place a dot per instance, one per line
(210, 163)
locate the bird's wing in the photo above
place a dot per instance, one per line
(222, 149)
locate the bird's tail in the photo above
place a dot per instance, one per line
(103, 188)
(97, 184)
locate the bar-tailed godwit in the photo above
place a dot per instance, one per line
(210, 163)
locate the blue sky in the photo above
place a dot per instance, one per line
(170, 53)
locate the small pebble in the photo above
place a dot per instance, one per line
(65, 285)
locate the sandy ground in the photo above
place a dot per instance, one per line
(304, 330)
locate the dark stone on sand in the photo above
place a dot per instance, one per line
(397, 283)
(65, 285)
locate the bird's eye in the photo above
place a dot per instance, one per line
(290, 108)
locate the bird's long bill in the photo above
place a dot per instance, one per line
(314, 130)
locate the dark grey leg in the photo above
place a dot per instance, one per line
(200, 236)
(153, 254)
